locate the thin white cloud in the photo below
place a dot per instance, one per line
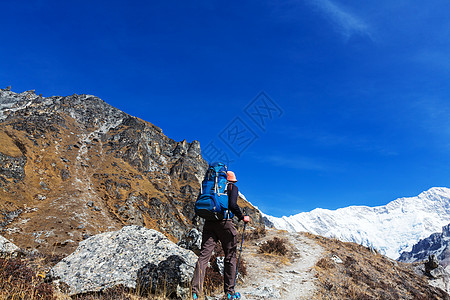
(344, 22)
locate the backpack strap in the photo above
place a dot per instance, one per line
(228, 190)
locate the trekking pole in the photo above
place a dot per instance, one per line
(240, 252)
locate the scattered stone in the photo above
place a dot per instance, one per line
(90, 203)
(65, 174)
(220, 261)
(373, 250)
(85, 236)
(264, 292)
(126, 257)
(7, 248)
(336, 259)
(44, 186)
(8, 217)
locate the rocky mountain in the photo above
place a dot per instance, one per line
(437, 244)
(72, 167)
(391, 228)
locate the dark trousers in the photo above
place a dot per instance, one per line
(213, 231)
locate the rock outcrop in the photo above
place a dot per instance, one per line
(437, 275)
(7, 248)
(133, 257)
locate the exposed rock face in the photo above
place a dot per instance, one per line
(437, 244)
(12, 167)
(6, 247)
(191, 240)
(431, 264)
(133, 256)
(437, 275)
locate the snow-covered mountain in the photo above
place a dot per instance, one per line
(391, 228)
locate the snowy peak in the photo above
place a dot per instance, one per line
(391, 228)
(432, 199)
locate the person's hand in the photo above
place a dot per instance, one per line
(246, 219)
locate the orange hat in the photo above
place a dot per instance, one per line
(231, 177)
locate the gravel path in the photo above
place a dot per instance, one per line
(271, 276)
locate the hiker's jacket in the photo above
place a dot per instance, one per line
(233, 193)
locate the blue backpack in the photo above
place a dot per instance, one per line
(212, 203)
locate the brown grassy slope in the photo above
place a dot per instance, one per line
(94, 194)
(364, 274)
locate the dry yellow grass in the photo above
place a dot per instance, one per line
(364, 274)
(8, 146)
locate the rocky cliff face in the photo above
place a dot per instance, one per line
(437, 244)
(72, 167)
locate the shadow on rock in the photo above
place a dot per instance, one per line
(169, 278)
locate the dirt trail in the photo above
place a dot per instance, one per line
(271, 276)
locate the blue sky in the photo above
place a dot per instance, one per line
(358, 96)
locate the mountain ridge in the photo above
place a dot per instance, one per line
(72, 167)
(391, 228)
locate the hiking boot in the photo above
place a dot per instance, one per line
(232, 296)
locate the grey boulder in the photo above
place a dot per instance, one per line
(134, 257)
(7, 248)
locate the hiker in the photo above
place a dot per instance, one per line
(225, 232)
